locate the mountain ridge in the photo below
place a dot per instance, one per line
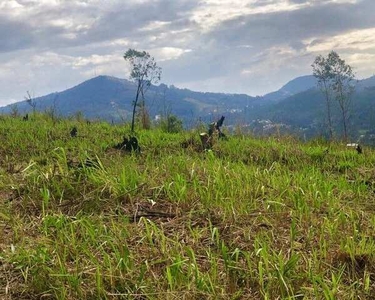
(298, 103)
(285, 89)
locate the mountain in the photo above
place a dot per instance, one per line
(295, 86)
(111, 99)
(97, 97)
(367, 83)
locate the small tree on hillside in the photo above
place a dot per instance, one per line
(30, 100)
(144, 72)
(171, 124)
(321, 71)
(168, 121)
(342, 77)
(335, 78)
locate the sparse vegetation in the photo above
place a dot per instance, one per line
(249, 219)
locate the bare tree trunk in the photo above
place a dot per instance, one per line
(343, 106)
(135, 104)
(144, 115)
(345, 125)
(345, 117)
(329, 116)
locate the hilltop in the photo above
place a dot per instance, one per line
(109, 98)
(250, 219)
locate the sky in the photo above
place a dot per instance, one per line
(232, 46)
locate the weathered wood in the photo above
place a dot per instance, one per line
(355, 146)
(73, 132)
(129, 145)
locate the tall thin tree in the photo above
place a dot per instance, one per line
(342, 78)
(335, 79)
(144, 71)
(321, 71)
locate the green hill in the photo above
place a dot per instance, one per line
(306, 113)
(253, 218)
(109, 98)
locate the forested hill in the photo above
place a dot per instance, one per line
(297, 107)
(111, 98)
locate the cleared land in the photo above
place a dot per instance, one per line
(251, 219)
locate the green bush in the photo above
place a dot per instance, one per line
(171, 124)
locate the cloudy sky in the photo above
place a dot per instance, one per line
(236, 46)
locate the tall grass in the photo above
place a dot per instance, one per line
(252, 218)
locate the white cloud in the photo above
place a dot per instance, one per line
(357, 47)
(168, 53)
(357, 40)
(95, 60)
(213, 12)
(155, 25)
(251, 46)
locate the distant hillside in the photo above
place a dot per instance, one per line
(110, 98)
(298, 105)
(306, 111)
(295, 86)
(365, 83)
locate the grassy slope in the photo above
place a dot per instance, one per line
(252, 219)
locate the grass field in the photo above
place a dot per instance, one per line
(252, 219)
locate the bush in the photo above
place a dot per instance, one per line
(171, 124)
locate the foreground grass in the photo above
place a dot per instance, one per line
(251, 219)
